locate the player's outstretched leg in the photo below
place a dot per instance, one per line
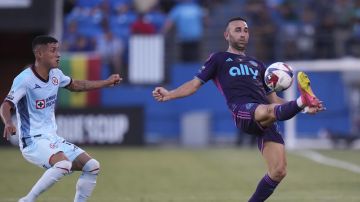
(87, 180)
(52, 175)
(308, 98)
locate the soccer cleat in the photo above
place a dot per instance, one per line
(307, 96)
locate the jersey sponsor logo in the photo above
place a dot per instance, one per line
(55, 81)
(10, 96)
(48, 102)
(243, 70)
(40, 104)
(37, 86)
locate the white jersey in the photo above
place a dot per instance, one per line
(35, 99)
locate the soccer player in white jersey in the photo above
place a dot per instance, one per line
(33, 95)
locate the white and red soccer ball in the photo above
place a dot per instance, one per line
(279, 76)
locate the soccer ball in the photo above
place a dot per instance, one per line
(279, 76)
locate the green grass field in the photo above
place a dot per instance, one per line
(179, 175)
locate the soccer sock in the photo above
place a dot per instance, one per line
(87, 181)
(287, 110)
(49, 178)
(300, 103)
(264, 189)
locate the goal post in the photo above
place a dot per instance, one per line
(344, 65)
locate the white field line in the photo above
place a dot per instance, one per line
(319, 158)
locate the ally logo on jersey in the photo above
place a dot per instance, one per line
(43, 103)
(243, 70)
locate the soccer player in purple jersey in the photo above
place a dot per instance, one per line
(254, 106)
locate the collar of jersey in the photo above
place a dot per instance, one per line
(38, 75)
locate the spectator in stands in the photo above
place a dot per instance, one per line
(305, 42)
(111, 50)
(74, 41)
(82, 44)
(288, 22)
(353, 43)
(70, 35)
(188, 18)
(264, 30)
(121, 20)
(343, 12)
(324, 40)
(142, 26)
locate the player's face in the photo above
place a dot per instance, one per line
(237, 34)
(51, 55)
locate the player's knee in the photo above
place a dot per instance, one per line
(64, 166)
(279, 173)
(265, 113)
(92, 167)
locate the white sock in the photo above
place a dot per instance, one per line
(87, 181)
(49, 178)
(300, 103)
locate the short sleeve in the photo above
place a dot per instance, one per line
(64, 80)
(208, 70)
(17, 91)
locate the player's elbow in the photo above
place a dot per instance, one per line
(6, 106)
(194, 86)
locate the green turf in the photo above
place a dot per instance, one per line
(179, 175)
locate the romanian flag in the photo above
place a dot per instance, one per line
(80, 66)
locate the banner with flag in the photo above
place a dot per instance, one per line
(80, 66)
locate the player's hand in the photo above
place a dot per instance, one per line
(316, 109)
(114, 79)
(161, 94)
(9, 130)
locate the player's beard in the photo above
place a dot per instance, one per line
(240, 46)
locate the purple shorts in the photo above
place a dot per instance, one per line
(244, 117)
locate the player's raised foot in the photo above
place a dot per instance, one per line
(307, 96)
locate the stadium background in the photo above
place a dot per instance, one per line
(281, 31)
(299, 32)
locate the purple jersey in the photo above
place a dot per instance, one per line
(239, 78)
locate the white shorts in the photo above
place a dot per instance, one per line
(44, 147)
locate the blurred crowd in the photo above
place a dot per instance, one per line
(105, 26)
(308, 29)
(280, 29)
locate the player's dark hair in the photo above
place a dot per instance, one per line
(235, 19)
(43, 40)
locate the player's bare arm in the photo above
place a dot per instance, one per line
(5, 112)
(162, 94)
(85, 85)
